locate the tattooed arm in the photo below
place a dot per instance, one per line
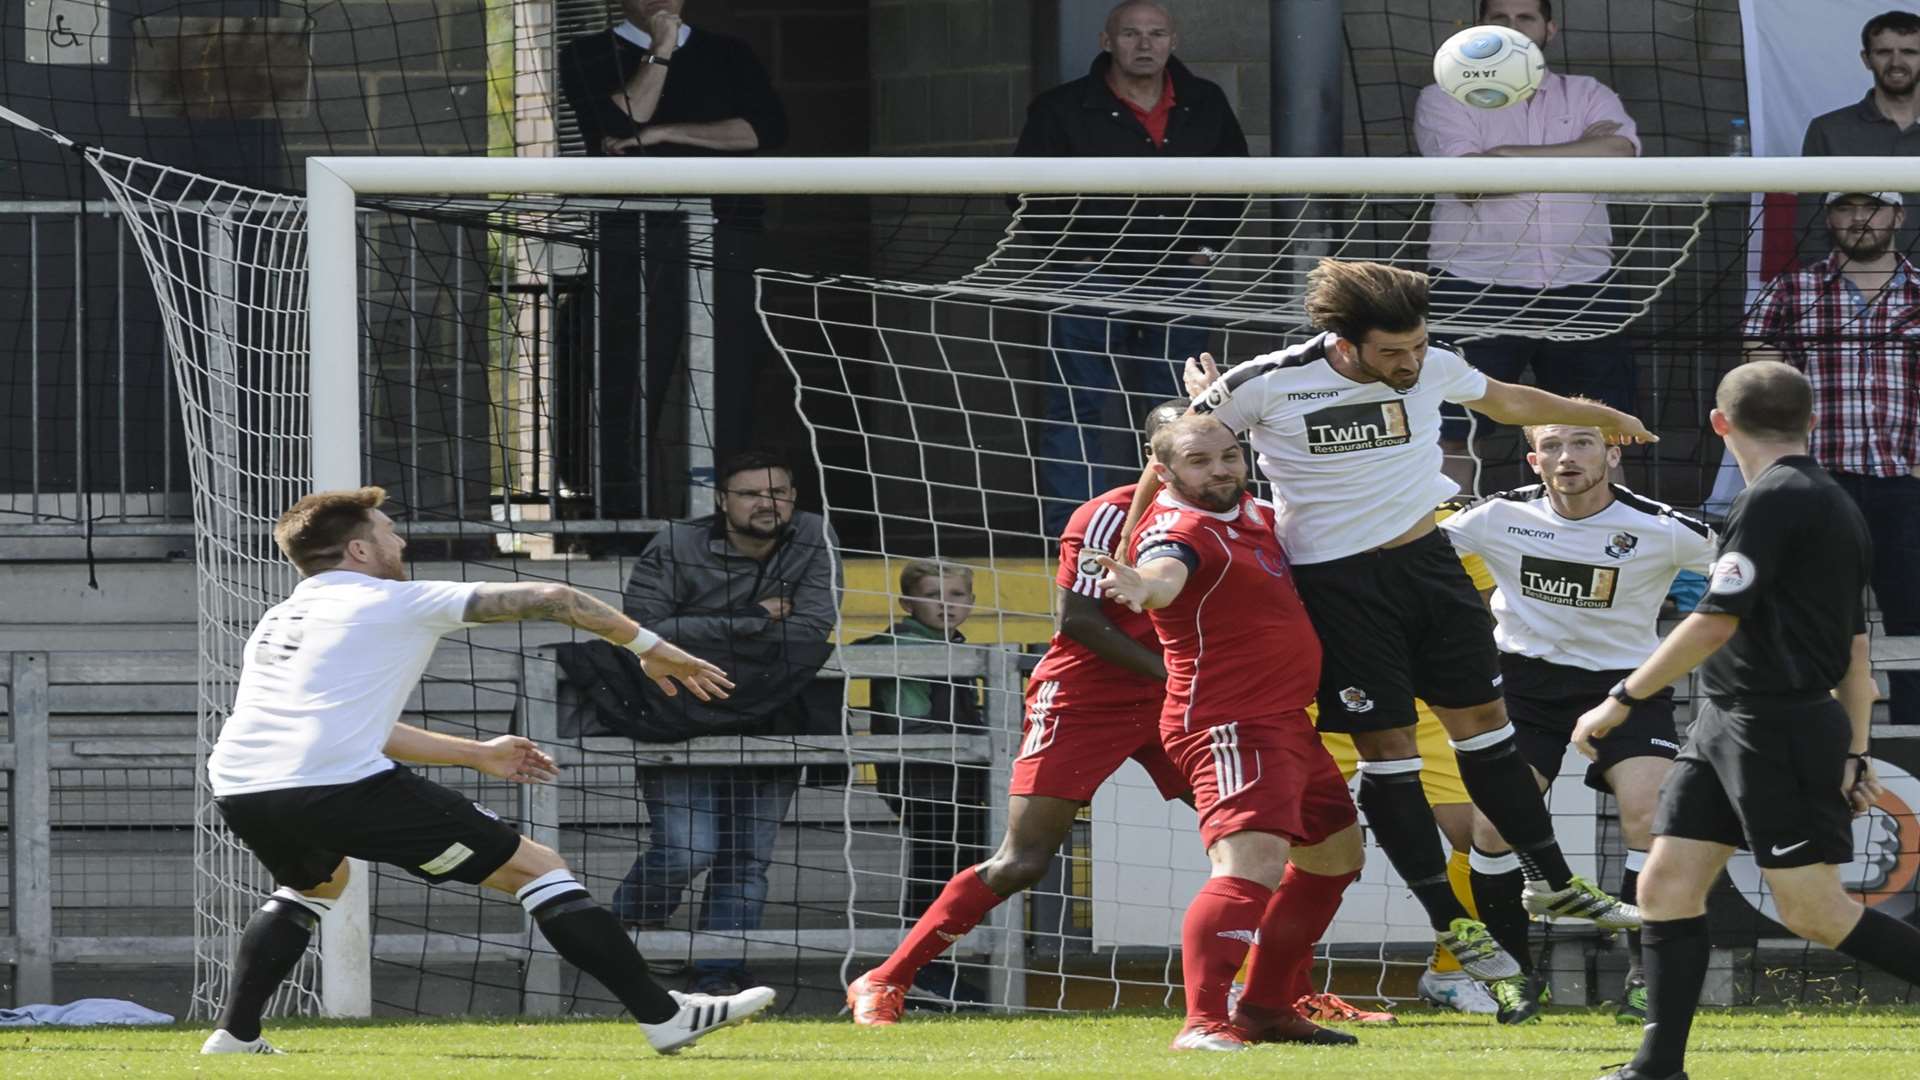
(553, 602)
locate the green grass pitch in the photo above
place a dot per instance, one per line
(1750, 1044)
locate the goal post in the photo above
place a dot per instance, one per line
(335, 185)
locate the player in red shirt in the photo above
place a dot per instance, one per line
(1243, 663)
(1092, 703)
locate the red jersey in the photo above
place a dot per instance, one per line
(1237, 641)
(1088, 683)
(1155, 119)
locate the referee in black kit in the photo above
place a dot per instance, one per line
(1777, 761)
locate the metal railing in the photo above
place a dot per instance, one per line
(38, 686)
(90, 386)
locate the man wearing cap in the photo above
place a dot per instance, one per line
(1848, 321)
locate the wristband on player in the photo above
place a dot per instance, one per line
(642, 642)
(1619, 694)
(1865, 761)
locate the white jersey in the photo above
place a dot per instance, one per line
(1352, 464)
(1583, 593)
(325, 676)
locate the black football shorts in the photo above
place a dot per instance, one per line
(396, 817)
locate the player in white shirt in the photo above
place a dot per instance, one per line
(1580, 568)
(1347, 429)
(307, 768)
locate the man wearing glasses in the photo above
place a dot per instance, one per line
(753, 587)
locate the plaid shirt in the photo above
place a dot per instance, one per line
(1863, 360)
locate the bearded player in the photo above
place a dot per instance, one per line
(1092, 703)
(307, 770)
(1347, 426)
(1242, 663)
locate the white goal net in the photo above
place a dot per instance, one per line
(942, 427)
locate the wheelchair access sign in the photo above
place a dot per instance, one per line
(67, 31)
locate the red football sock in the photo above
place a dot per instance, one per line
(960, 907)
(1301, 910)
(1220, 927)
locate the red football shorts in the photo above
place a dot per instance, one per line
(1067, 753)
(1269, 775)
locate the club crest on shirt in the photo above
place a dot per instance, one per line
(1568, 584)
(1621, 544)
(1355, 700)
(1088, 563)
(1343, 429)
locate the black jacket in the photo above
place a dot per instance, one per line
(713, 77)
(1084, 118)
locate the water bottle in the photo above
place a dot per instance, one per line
(1739, 142)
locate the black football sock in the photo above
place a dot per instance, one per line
(1676, 969)
(1630, 894)
(1502, 785)
(1402, 821)
(588, 936)
(273, 942)
(1497, 881)
(1886, 943)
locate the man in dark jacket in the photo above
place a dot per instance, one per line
(758, 584)
(1138, 100)
(655, 86)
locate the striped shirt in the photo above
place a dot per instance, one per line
(1087, 683)
(1237, 640)
(1863, 358)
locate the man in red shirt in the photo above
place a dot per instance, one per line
(1092, 703)
(1243, 663)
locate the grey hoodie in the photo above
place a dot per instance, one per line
(691, 587)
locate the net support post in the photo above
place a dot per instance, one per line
(540, 809)
(333, 401)
(1009, 920)
(702, 235)
(31, 794)
(1304, 77)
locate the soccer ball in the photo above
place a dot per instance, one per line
(1489, 67)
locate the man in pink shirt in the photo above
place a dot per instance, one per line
(1538, 257)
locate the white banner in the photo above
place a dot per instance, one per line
(1801, 62)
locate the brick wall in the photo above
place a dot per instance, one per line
(395, 77)
(949, 76)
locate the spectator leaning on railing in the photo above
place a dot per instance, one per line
(1535, 256)
(754, 587)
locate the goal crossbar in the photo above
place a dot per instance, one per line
(335, 183)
